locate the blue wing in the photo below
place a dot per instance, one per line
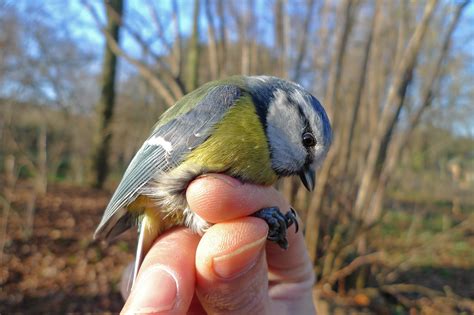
(165, 148)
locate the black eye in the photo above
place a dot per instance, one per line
(308, 140)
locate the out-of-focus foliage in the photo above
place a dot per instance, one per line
(390, 225)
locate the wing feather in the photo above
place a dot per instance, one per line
(146, 163)
(163, 150)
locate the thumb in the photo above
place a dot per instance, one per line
(231, 270)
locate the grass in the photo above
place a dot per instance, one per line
(406, 228)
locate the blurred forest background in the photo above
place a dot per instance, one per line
(390, 227)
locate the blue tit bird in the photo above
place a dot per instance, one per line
(254, 128)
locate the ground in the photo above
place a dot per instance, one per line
(59, 267)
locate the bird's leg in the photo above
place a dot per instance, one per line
(278, 223)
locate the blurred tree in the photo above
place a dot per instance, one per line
(164, 73)
(40, 90)
(114, 10)
(214, 63)
(391, 109)
(426, 99)
(194, 50)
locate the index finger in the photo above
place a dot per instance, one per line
(219, 198)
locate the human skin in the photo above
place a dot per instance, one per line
(231, 269)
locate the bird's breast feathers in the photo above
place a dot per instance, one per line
(238, 147)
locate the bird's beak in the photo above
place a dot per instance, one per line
(308, 177)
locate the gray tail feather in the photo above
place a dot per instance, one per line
(121, 221)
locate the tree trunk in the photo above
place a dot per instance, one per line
(245, 40)
(314, 209)
(281, 31)
(303, 41)
(222, 48)
(107, 98)
(348, 133)
(312, 224)
(41, 180)
(8, 189)
(177, 48)
(212, 39)
(397, 146)
(194, 51)
(399, 82)
(321, 63)
(337, 61)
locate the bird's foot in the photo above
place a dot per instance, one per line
(278, 224)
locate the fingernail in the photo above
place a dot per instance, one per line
(239, 261)
(155, 291)
(225, 179)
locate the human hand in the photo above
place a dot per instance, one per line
(231, 269)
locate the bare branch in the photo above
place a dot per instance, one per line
(159, 26)
(143, 69)
(194, 51)
(353, 266)
(337, 60)
(174, 83)
(303, 40)
(281, 34)
(223, 38)
(178, 42)
(211, 31)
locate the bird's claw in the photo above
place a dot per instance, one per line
(278, 224)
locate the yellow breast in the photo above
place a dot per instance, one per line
(237, 147)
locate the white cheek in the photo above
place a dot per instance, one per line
(287, 156)
(284, 129)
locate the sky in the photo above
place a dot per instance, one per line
(82, 26)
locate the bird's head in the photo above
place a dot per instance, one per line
(297, 127)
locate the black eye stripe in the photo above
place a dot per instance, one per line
(304, 118)
(308, 138)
